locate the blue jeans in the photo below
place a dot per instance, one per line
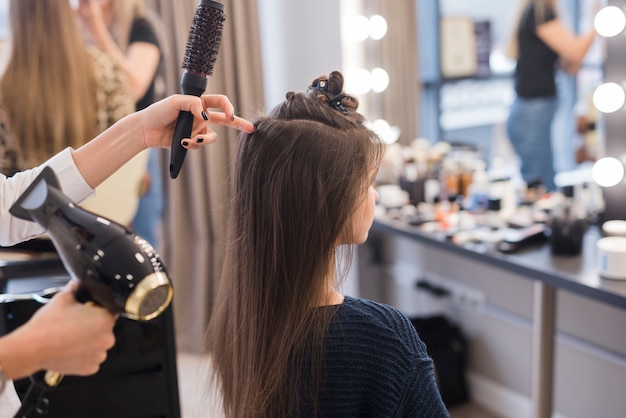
(150, 211)
(529, 128)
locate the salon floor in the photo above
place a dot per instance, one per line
(198, 402)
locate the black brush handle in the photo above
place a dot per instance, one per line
(184, 125)
(192, 84)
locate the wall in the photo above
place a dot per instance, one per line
(299, 41)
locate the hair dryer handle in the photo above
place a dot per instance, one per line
(184, 125)
(52, 378)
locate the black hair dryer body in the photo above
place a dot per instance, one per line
(116, 268)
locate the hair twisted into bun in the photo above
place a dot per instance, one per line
(329, 89)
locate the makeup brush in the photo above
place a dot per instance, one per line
(203, 45)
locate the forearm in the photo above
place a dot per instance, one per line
(18, 356)
(110, 150)
(584, 43)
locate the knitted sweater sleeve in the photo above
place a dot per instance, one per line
(421, 396)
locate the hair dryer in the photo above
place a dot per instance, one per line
(116, 268)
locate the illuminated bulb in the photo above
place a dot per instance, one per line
(380, 80)
(607, 172)
(358, 81)
(609, 21)
(378, 27)
(358, 28)
(389, 134)
(609, 97)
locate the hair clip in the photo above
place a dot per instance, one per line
(335, 101)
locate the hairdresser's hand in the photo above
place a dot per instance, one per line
(154, 127)
(64, 336)
(90, 15)
(159, 119)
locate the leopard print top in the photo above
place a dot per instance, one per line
(113, 101)
(113, 96)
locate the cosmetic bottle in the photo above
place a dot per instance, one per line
(567, 225)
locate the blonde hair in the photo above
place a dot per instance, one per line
(541, 7)
(47, 112)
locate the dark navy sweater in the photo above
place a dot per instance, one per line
(375, 366)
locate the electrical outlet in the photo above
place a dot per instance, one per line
(464, 297)
(469, 299)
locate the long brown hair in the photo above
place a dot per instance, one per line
(47, 111)
(298, 179)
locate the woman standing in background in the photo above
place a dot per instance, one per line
(125, 29)
(45, 111)
(540, 43)
(77, 92)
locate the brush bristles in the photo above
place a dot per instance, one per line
(204, 40)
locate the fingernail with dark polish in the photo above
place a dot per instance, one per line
(185, 143)
(200, 140)
(232, 117)
(204, 115)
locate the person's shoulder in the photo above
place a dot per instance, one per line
(377, 328)
(547, 12)
(372, 309)
(376, 316)
(142, 30)
(141, 23)
(550, 13)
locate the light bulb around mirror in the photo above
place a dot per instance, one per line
(358, 81)
(610, 21)
(389, 134)
(609, 97)
(378, 27)
(380, 80)
(607, 172)
(358, 28)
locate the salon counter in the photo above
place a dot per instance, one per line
(547, 272)
(578, 274)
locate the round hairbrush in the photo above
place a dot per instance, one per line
(203, 43)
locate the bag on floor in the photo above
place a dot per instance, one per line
(448, 348)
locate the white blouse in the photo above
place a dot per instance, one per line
(14, 230)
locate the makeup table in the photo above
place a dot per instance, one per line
(549, 272)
